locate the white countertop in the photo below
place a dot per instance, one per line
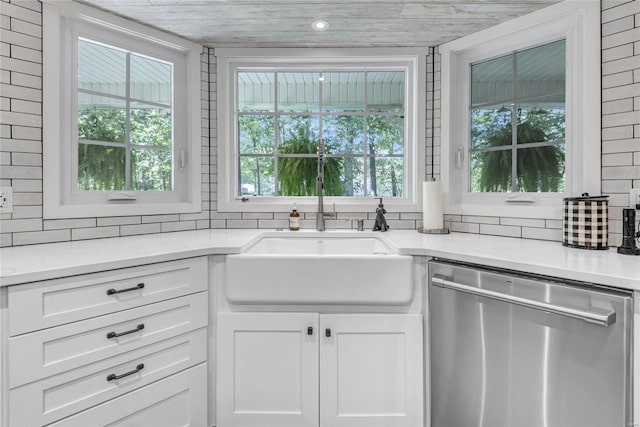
(40, 262)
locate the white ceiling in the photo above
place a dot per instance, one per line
(287, 23)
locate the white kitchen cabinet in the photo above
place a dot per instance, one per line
(309, 369)
(267, 369)
(371, 370)
(95, 349)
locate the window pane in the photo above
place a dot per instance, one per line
(541, 119)
(150, 125)
(101, 167)
(150, 80)
(343, 134)
(352, 176)
(491, 127)
(298, 92)
(541, 70)
(101, 69)
(256, 176)
(256, 91)
(298, 134)
(492, 81)
(343, 92)
(101, 118)
(386, 135)
(541, 169)
(256, 134)
(385, 176)
(385, 91)
(491, 171)
(151, 170)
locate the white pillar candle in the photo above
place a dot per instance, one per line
(432, 215)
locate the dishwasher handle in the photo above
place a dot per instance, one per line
(602, 319)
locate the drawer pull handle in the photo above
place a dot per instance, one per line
(135, 288)
(310, 330)
(116, 335)
(113, 377)
(327, 333)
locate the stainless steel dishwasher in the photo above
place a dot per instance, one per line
(513, 350)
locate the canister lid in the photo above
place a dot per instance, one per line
(586, 197)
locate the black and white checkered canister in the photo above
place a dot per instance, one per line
(586, 222)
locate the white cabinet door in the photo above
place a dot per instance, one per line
(267, 370)
(371, 369)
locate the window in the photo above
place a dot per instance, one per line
(517, 116)
(361, 111)
(521, 114)
(122, 125)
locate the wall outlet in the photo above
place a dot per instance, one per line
(6, 199)
(634, 198)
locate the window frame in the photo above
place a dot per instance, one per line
(572, 21)
(310, 59)
(64, 23)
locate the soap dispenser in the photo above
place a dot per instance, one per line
(294, 219)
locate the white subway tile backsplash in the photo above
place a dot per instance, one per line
(620, 132)
(622, 24)
(95, 233)
(130, 230)
(616, 9)
(36, 237)
(465, 227)
(242, 223)
(58, 224)
(17, 225)
(523, 222)
(542, 234)
(27, 212)
(617, 52)
(619, 159)
(16, 10)
(118, 220)
(27, 185)
(26, 54)
(26, 159)
(620, 38)
(27, 199)
(26, 80)
(617, 106)
(481, 219)
(501, 230)
(146, 219)
(167, 227)
(23, 132)
(621, 172)
(620, 119)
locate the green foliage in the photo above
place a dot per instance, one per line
(297, 175)
(102, 167)
(538, 168)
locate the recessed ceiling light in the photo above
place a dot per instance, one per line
(319, 25)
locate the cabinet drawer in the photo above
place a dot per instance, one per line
(55, 302)
(59, 396)
(180, 400)
(54, 350)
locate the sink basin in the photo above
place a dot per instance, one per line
(319, 245)
(320, 268)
